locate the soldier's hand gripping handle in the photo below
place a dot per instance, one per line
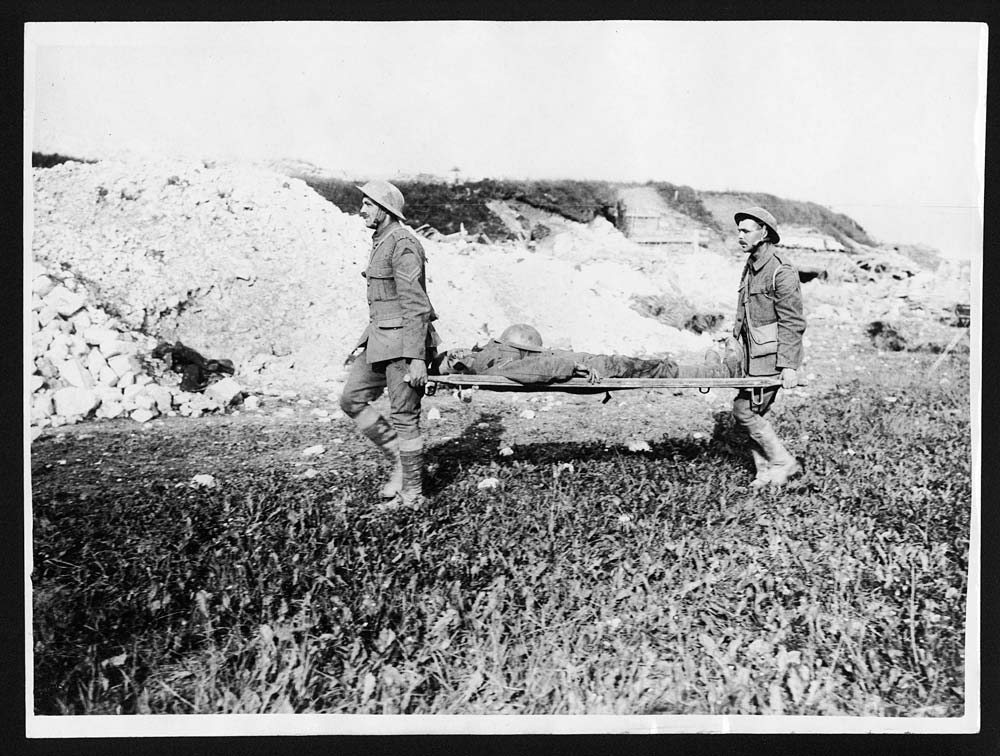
(417, 374)
(353, 356)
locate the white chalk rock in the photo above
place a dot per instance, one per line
(96, 363)
(117, 346)
(130, 392)
(433, 414)
(97, 334)
(81, 321)
(77, 346)
(142, 379)
(75, 374)
(107, 377)
(47, 315)
(42, 406)
(35, 382)
(142, 400)
(58, 351)
(64, 301)
(183, 397)
(110, 410)
(202, 403)
(142, 415)
(125, 379)
(224, 391)
(73, 400)
(251, 402)
(161, 395)
(108, 394)
(42, 285)
(123, 364)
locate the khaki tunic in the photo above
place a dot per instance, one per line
(400, 313)
(770, 293)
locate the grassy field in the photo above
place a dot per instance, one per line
(592, 579)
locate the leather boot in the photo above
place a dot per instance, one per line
(383, 435)
(761, 465)
(411, 493)
(782, 465)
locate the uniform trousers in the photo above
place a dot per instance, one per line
(365, 384)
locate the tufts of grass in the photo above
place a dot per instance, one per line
(592, 579)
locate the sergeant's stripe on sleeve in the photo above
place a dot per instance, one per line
(408, 267)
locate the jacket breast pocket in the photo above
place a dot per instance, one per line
(381, 283)
(389, 323)
(760, 303)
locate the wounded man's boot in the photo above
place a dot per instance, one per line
(383, 435)
(781, 464)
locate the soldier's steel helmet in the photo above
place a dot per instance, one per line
(386, 196)
(761, 215)
(522, 336)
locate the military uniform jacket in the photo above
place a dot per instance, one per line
(549, 365)
(400, 313)
(770, 293)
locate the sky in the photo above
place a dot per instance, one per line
(884, 121)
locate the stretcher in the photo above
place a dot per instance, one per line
(604, 386)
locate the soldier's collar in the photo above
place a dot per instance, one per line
(761, 256)
(383, 232)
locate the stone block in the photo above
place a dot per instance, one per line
(161, 395)
(42, 406)
(75, 374)
(81, 321)
(97, 334)
(40, 342)
(115, 346)
(108, 394)
(142, 415)
(64, 301)
(96, 363)
(42, 285)
(143, 400)
(111, 410)
(224, 391)
(58, 351)
(73, 400)
(46, 315)
(131, 391)
(123, 364)
(78, 347)
(108, 377)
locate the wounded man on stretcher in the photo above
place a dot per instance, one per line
(518, 355)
